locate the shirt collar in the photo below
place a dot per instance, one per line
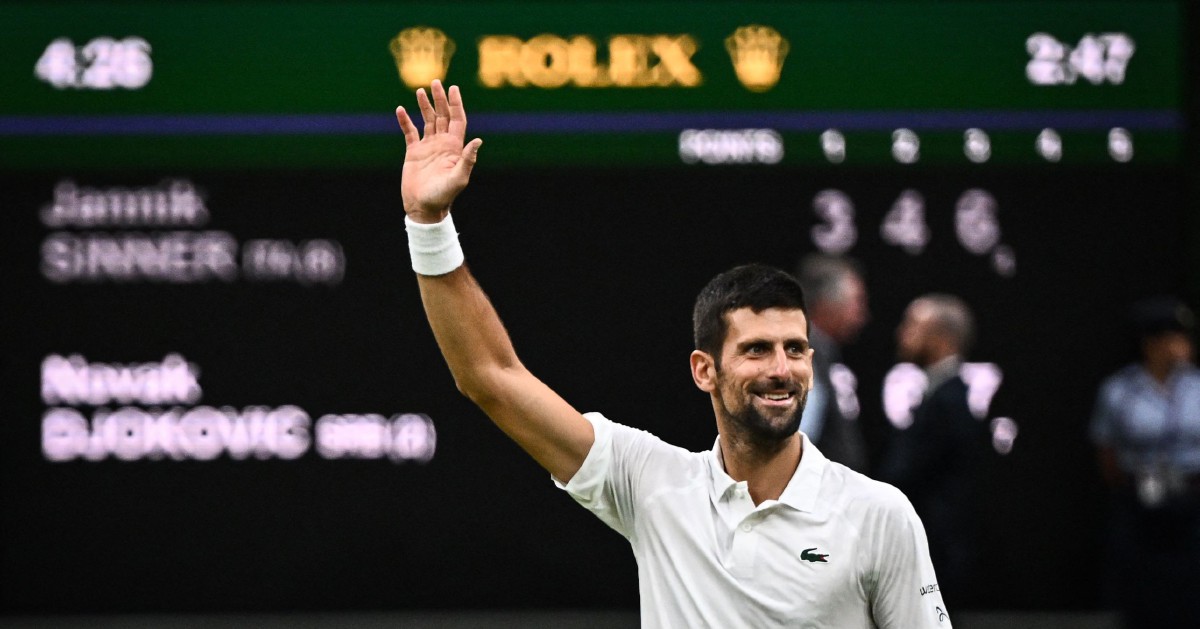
(720, 482)
(801, 491)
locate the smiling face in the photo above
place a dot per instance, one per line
(761, 381)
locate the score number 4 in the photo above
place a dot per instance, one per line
(1096, 58)
(976, 225)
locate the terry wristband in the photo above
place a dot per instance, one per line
(433, 246)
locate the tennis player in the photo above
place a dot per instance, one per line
(760, 531)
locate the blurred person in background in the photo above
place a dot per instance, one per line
(934, 460)
(837, 309)
(1146, 428)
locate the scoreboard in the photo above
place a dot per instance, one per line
(219, 389)
(265, 84)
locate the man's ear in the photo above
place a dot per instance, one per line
(704, 371)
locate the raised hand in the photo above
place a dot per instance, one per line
(437, 166)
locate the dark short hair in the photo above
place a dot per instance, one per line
(824, 276)
(953, 318)
(754, 286)
(1158, 315)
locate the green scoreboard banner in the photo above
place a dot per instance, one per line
(270, 84)
(220, 391)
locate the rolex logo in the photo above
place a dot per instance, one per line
(757, 53)
(422, 54)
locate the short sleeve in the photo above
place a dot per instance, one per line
(606, 484)
(904, 588)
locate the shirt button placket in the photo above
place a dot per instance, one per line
(745, 550)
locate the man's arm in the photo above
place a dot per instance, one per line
(902, 587)
(1100, 431)
(468, 331)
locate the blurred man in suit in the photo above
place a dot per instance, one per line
(934, 461)
(837, 299)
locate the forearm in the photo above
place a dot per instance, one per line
(486, 369)
(468, 331)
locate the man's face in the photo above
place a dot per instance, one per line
(914, 333)
(854, 312)
(765, 372)
(843, 316)
(1174, 348)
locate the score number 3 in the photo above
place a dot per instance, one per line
(837, 234)
(976, 224)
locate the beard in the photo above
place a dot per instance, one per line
(765, 431)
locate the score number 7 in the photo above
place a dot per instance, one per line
(1095, 58)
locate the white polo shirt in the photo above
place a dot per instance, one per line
(837, 550)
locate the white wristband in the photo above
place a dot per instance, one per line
(433, 246)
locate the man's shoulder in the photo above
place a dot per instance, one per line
(1123, 376)
(861, 492)
(948, 399)
(1121, 383)
(1190, 374)
(953, 387)
(631, 462)
(649, 445)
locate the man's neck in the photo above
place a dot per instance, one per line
(766, 471)
(942, 369)
(1161, 370)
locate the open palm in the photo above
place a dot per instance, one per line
(438, 165)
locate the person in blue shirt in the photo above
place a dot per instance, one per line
(1146, 428)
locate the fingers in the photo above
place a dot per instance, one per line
(441, 107)
(441, 113)
(458, 115)
(407, 126)
(426, 111)
(470, 155)
(471, 151)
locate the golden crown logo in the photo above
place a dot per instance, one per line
(757, 53)
(422, 54)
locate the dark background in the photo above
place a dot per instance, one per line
(594, 273)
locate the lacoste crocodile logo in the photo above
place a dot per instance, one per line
(808, 555)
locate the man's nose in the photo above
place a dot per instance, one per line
(781, 363)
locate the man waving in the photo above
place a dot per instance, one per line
(760, 531)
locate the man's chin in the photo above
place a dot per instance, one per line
(773, 427)
(769, 424)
